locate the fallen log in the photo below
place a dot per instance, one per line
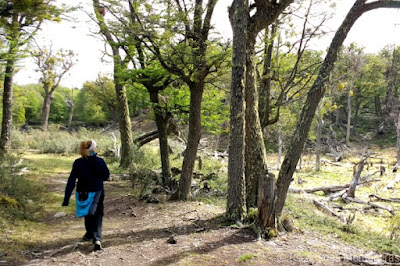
(337, 195)
(371, 175)
(329, 189)
(374, 205)
(378, 198)
(146, 138)
(325, 208)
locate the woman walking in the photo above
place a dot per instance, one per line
(90, 171)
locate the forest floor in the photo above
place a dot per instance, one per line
(136, 233)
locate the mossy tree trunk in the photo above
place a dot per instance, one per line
(185, 183)
(318, 134)
(6, 124)
(255, 155)
(235, 208)
(255, 152)
(161, 118)
(124, 121)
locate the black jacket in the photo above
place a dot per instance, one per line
(90, 172)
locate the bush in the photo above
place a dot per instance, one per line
(142, 177)
(16, 191)
(56, 140)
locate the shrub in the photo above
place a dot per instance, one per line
(56, 140)
(243, 258)
(16, 191)
(143, 179)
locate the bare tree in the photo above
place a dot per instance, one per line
(52, 65)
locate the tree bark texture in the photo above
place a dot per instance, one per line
(265, 82)
(162, 129)
(48, 99)
(280, 147)
(6, 124)
(338, 116)
(125, 127)
(391, 87)
(71, 114)
(235, 207)
(398, 138)
(267, 12)
(255, 153)
(314, 96)
(348, 117)
(356, 114)
(266, 205)
(378, 106)
(185, 183)
(318, 140)
(351, 192)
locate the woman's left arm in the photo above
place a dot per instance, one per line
(70, 185)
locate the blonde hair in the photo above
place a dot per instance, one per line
(84, 148)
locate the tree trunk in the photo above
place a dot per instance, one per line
(338, 117)
(255, 153)
(70, 116)
(348, 117)
(266, 206)
(162, 124)
(314, 96)
(318, 140)
(124, 123)
(124, 120)
(390, 76)
(356, 114)
(398, 138)
(280, 146)
(235, 207)
(6, 124)
(185, 183)
(265, 82)
(48, 99)
(71, 110)
(356, 179)
(378, 106)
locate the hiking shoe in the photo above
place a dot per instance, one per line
(97, 245)
(85, 238)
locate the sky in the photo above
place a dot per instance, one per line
(374, 30)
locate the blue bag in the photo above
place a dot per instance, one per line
(83, 206)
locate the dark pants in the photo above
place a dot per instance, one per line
(93, 223)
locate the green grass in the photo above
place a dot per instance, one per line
(43, 165)
(245, 257)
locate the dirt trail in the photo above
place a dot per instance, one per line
(136, 233)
